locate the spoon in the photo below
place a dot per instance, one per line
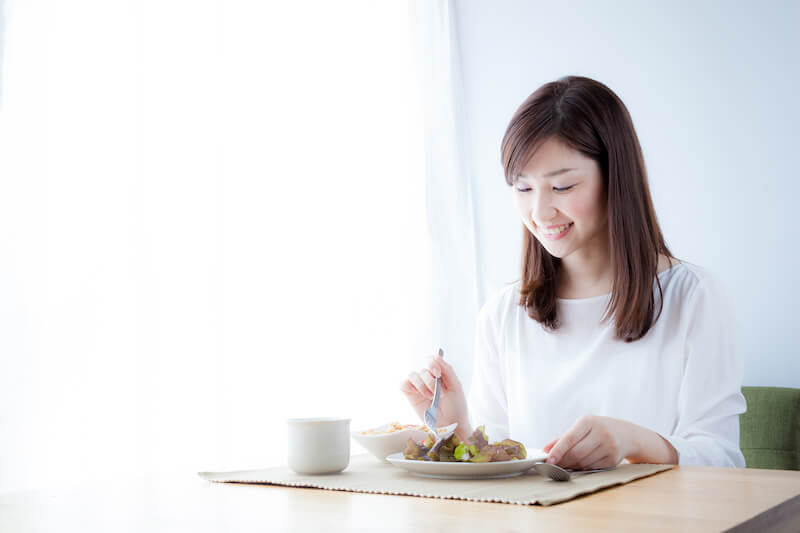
(556, 473)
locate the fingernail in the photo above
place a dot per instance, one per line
(551, 460)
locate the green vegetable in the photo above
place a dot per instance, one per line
(461, 450)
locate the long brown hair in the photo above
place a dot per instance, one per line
(588, 117)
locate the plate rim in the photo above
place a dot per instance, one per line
(403, 460)
(456, 469)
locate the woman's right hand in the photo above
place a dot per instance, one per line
(419, 386)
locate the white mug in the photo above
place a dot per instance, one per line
(319, 445)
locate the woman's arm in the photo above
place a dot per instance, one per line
(710, 399)
(650, 447)
(602, 441)
(706, 431)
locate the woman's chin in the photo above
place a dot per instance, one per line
(556, 251)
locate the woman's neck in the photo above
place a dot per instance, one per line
(590, 275)
(586, 273)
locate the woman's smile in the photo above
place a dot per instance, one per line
(554, 233)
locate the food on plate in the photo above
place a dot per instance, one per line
(394, 427)
(476, 449)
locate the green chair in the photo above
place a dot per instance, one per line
(770, 429)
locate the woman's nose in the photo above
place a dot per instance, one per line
(542, 211)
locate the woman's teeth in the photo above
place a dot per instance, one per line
(556, 230)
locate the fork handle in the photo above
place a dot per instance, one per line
(438, 388)
(591, 471)
(436, 394)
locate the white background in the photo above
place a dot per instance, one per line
(212, 217)
(712, 88)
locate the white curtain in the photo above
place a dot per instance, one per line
(213, 216)
(449, 183)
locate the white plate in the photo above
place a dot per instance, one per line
(444, 470)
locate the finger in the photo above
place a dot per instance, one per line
(440, 368)
(572, 437)
(607, 461)
(596, 459)
(427, 382)
(407, 388)
(436, 371)
(575, 457)
(428, 379)
(416, 381)
(549, 445)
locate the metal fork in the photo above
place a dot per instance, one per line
(556, 473)
(430, 412)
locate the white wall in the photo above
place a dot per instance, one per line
(711, 87)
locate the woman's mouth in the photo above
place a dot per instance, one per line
(558, 232)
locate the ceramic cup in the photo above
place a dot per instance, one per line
(319, 445)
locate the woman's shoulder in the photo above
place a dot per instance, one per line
(500, 301)
(685, 281)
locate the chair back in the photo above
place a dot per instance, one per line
(770, 429)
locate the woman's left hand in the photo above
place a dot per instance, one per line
(593, 442)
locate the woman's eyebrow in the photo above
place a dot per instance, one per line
(552, 173)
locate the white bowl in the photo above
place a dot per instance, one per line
(384, 445)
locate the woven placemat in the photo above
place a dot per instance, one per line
(367, 474)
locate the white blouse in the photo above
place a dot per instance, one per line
(682, 379)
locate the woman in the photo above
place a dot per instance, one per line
(607, 348)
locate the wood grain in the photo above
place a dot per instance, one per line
(683, 499)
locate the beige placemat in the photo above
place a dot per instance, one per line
(366, 474)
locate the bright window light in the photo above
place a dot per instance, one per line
(212, 217)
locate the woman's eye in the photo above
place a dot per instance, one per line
(523, 189)
(562, 189)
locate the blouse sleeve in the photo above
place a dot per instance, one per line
(487, 396)
(710, 398)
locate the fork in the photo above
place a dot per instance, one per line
(556, 473)
(430, 413)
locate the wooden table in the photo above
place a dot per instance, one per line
(684, 499)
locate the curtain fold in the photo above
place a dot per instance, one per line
(457, 289)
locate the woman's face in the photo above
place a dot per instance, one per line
(561, 198)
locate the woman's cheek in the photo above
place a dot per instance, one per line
(522, 209)
(582, 208)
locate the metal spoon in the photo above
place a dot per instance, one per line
(556, 473)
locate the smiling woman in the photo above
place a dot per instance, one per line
(607, 348)
(617, 230)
